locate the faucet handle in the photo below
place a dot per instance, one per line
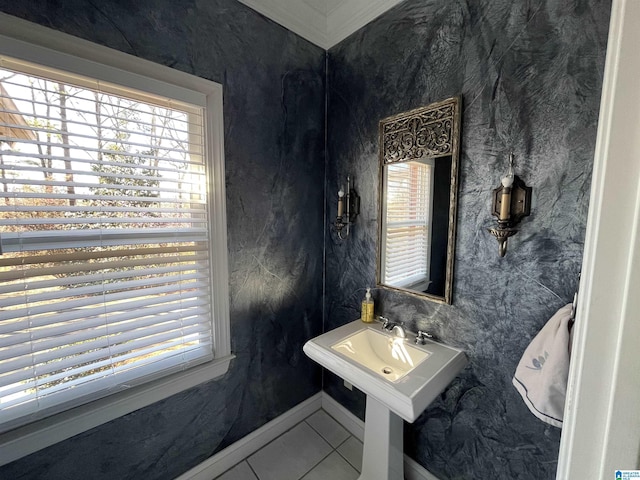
(385, 321)
(421, 337)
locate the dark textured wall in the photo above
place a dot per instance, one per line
(274, 145)
(530, 74)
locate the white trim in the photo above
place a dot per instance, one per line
(344, 417)
(294, 15)
(218, 222)
(53, 40)
(322, 29)
(35, 436)
(28, 41)
(243, 448)
(412, 469)
(602, 422)
(352, 15)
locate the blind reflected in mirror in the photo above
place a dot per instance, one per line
(418, 172)
(407, 225)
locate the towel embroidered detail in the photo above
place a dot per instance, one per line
(538, 362)
(541, 376)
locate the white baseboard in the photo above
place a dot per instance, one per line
(237, 452)
(344, 417)
(243, 448)
(412, 469)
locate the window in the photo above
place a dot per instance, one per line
(407, 216)
(113, 275)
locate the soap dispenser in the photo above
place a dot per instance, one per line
(366, 314)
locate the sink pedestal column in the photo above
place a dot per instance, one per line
(383, 457)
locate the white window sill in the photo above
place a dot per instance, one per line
(34, 43)
(43, 433)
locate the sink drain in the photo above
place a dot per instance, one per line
(387, 370)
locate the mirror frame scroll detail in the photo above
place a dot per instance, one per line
(432, 131)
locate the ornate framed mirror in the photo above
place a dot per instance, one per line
(419, 157)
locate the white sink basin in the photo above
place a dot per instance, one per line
(390, 357)
(360, 353)
(399, 378)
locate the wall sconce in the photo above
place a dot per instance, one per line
(348, 209)
(511, 203)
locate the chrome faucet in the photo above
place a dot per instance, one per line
(386, 323)
(398, 331)
(421, 337)
(395, 328)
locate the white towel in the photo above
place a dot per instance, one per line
(541, 375)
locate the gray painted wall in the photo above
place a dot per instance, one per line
(530, 75)
(274, 141)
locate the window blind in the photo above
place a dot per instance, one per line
(104, 237)
(409, 187)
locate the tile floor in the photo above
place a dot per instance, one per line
(318, 448)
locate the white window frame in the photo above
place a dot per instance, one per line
(34, 43)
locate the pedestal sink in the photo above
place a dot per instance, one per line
(400, 379)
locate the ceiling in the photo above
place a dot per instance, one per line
(323, 22)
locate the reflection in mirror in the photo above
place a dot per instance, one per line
(418, 180)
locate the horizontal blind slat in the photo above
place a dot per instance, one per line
(110, 302)
(105, 273)
(11, 158)
(188, 186)
(110, 347)
(81, 262)
(85, 362)
(194, 115)
(82, 364)
(167, 135)
(132, 285)
(78, 321)
(407, 222)
(11, 289)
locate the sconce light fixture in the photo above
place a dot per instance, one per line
(511, 203)
(348, 209)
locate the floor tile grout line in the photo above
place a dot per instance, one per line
(323, 437)
(343, 442)
(346, 459)
(335, 420)
(311, 469)
(316, 430)
(231, 468)
(282, 434)
(251, 468)
(333, 449)
(271, 441)
(237, 465)
(318, 433)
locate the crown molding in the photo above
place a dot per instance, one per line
(351, 15)
(323, 29)
(295, 15)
